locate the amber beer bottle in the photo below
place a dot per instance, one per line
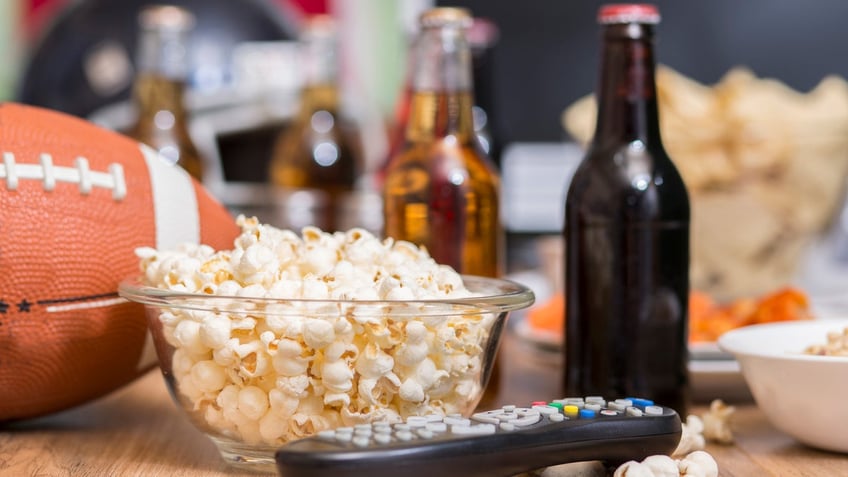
(627, 234)
(159, 88)
(441, 190)
(321, 151)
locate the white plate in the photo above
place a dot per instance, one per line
(553, 341)
(713, 373)
(543, 339)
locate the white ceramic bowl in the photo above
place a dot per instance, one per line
(802, 395)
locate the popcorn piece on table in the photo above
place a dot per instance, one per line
(712, 426)
(717, 423)
(695, 464)
(692, 437)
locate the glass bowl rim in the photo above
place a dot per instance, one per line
(515, 296)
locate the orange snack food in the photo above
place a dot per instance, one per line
(549, 315)
(707, 318)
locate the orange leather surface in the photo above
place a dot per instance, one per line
(62, 251)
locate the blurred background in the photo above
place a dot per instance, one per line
(533, 60)
(796, 43)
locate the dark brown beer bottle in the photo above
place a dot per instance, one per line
(440, 189)
(627, 234)
(158, 91)
(320, 152)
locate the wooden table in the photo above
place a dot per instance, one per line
(137, 431)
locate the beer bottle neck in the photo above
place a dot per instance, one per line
(162, 71)
(319, 59)
(627, 102)
(153, 93)
(319, 97)
(442, 92)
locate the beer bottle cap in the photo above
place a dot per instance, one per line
(629, 13)
(166, 18)
(446, 16)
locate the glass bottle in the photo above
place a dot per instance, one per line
(320, 152)
(627, 234)
(441, 190)
(481, 36)
(159, 88)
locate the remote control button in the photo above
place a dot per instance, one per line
(641, 403)
(625, 402)
(654, 410)
(457, 421)
(634, 411)
(383, 430)
(361, 441)
(593, 406)
(361, 427)
(507, 416)
(507, 426)
(617, 406)
(596, 399)
(434, 418)
(362, 432)
(545, 409)
(382, 438)
(402, 426)
(557, 417)
(403, 435)
(609, 412)
(587, 414)
(328, 435)
(509, 408)
(416, 421)
(571, 410)
(381, 426)
(424, 433)
(344, 436)
(539, 403)
(575, 402)
(556, 404)
(478, 430)
(526, 420)
(437, 427)
(486, 417)
(527, 411)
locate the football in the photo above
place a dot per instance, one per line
(76, 201)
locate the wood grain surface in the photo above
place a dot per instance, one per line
(138, 431)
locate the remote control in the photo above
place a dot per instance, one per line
(504, 441)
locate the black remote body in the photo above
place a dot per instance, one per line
(505, 441)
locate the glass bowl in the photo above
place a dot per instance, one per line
(254, 373)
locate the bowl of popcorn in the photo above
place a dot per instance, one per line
(290, 334)
(798, 375)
